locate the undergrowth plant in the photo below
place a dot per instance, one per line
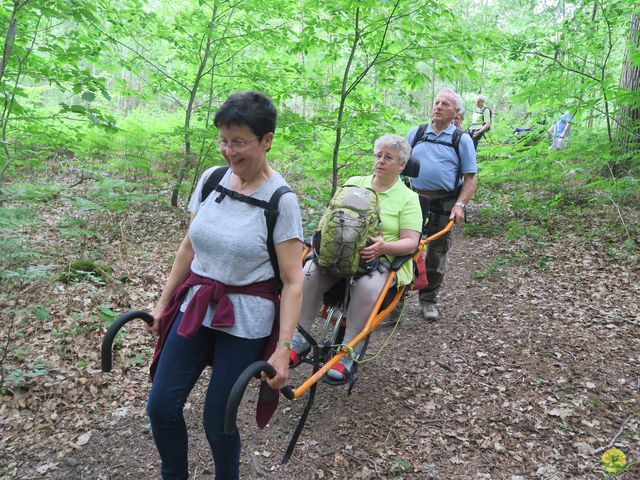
(536, 192)
(24, 261)
(534, 196)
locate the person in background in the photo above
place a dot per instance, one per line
(560, 131)
(220, 304)
(401, 219)
(480, 121)
(458, 120)
(443, 194)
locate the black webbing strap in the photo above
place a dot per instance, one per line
(420, 137)
(225, 192)
(212, 182)
(312, 395)
(455, 139)
(270, 211)
(271, 215)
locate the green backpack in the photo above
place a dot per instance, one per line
(351, 218)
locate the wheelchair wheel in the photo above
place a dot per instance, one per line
(332, 331)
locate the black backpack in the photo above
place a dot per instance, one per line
(419, 137)
(484, 109)
(270, 210)
(455, 139)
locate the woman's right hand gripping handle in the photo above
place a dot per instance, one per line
(156, 313)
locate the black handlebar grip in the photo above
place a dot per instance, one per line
(112, 331)
(235, 396)
(288, 393)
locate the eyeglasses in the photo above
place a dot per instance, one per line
(235, 146)
(385, 157)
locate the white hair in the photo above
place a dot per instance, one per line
(390, 140)
(457, 98)
(481, 98)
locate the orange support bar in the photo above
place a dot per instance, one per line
(374, 318)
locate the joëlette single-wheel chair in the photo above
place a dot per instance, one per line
(326, 351)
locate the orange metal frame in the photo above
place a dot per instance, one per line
(375, 317)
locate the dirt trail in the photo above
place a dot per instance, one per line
(533, 366)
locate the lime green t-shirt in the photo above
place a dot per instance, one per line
(399, 209)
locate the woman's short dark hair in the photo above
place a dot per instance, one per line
(250, 108)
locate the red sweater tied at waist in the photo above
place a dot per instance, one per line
(212, 291)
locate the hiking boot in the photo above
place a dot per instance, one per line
(430, 312)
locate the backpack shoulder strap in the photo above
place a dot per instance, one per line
(271, 215)
(490, 114)
(270, 211)
(455, 140)
(417, 138)
(212, 182)
(225, 192)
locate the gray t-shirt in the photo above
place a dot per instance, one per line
(230, 244)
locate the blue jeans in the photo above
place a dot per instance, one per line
(180, 365)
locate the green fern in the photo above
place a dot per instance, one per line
(14, 218)
(33, 192)
(71, 227)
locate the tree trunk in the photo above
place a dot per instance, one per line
(8, 42)
(9, 97)
(343, 99)
(345, 91)
(433, 89)
(189, 111)
(629, 120)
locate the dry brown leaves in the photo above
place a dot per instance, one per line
(529, 371)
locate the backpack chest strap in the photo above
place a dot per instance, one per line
(270, 212)
(225, 192)
(439, 142)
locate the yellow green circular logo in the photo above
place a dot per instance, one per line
(613, 460)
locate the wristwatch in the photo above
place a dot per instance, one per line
(461, 204)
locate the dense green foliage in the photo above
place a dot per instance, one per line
(121, 93)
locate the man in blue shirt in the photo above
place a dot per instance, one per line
(560, 131)
(443, 195)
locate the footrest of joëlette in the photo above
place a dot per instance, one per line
(350, 380)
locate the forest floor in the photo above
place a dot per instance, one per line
(532, 371)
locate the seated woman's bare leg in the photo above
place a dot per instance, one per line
(363, 298)
(315, 284)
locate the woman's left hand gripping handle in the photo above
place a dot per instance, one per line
(235, 396)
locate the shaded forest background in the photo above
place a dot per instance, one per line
(106, 123)
(124, 90)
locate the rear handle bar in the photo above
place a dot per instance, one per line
(112, 331)
(233, 402)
